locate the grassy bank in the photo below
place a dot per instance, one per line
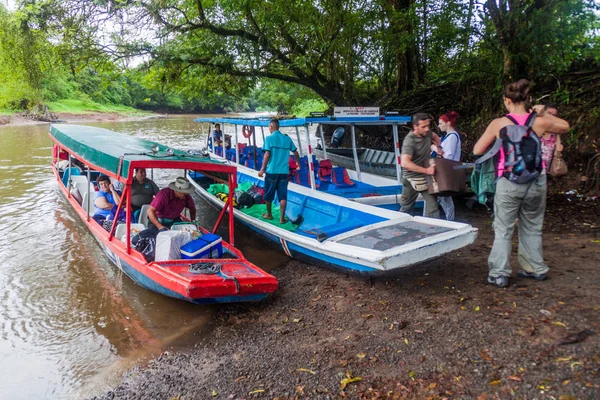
(78, 106)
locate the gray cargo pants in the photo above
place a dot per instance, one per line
(527, 202)
(409, 196)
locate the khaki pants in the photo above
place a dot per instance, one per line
(527, 202)
(409, 196)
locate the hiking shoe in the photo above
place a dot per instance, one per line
(499, 281)
(532, 275)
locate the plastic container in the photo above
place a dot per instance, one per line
(206, 246)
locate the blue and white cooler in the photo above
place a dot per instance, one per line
(206, 246)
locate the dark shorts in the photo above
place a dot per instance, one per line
(276, 183)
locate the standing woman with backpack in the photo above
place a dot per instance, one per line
(521, 186)
(451, 145)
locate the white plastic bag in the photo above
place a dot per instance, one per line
(168, 244)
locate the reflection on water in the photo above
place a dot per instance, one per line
(70, 322)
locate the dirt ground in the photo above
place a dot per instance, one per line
(435, 332)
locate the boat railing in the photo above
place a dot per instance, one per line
(297, 123)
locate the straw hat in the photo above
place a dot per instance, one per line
(181, 185)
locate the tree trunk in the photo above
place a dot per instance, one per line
(406, 58)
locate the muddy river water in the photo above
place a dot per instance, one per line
(70, 323)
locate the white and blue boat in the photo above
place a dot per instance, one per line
(329, 226)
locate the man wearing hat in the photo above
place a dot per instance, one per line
(168, 204)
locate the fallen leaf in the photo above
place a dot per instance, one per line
(257, 391)
(306, 370)
(406, 340)
(558, 323)
(477, 308)
(412, 375)
(546, 313)
(485, 356)
(361, 356)
(240, 379)
(567, 397)
(214, 393)
(566, 382)
(300, 390)
(296, 320)
(317, 298)
(574, 364)
(514, 378)
(496, 382)
(346, 381)
(347, 337)
(367, 316)
(565, 359)
(431, 386)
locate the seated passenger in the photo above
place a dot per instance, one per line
(143, 190)
(106, 198)
(217, 135)
(168, 204)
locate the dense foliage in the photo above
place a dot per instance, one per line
(287, 54)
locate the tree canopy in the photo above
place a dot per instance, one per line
(210, 53)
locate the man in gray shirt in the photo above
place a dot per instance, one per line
(416, 151)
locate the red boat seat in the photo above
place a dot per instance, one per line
(340, 178)
(325, 168)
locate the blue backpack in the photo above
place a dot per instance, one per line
(518, 152)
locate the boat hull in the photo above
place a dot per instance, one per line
(352, 258)
(255, 286)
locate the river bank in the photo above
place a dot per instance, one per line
(435, 332)
(18, 120)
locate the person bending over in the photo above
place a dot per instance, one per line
(168, 204)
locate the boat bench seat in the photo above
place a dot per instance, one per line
(325, 232)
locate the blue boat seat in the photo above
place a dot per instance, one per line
(68, 172)
(303, 178)
(340, 178)
(328, 231)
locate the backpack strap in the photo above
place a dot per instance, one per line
(448, 135)
(528, 123)
(490, 153)
(514, 121)
(530, 119)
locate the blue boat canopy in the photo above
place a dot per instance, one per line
(381, 120)
(253, 121)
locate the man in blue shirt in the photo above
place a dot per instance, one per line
(277, 149)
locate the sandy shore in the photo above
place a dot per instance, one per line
(434, 332)
(73, 118)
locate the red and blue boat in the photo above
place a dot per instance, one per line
(228, 278)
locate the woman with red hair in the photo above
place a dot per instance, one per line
(451, 150)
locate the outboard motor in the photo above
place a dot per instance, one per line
(338, 137)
